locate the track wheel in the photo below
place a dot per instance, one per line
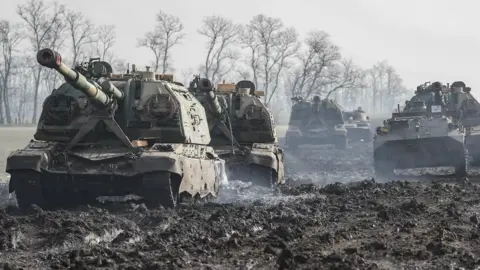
(160, 188)
(28, 189)
(261, 176)
(461, 170)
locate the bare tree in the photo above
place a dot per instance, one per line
(386, 87)
(221, 34)
(154, 42)
(186, 76)
(253, 58)
(345, 76)
(80, 31)
(10, 37)
(168, 32)
(44, 25)
(21, 84)
(270, 45)
(106, 37)
(170, 28)
(319, 55)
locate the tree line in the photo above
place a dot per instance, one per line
(263, 50)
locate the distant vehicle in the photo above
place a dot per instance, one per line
(433, 130)
(358, 125)
(316, 122)
(242, 130)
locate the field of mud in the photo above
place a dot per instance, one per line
(332, 215)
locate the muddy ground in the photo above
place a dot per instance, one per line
(427, 223)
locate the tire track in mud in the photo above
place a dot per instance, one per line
(364, 225)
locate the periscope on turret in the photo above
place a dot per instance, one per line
(104, 134)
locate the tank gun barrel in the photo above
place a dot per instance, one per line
(205, 85)
(52, 59)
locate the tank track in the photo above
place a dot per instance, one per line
(384, 168)
(34, 188)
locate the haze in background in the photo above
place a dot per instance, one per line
(423, 40)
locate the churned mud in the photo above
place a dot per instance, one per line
(311, 223)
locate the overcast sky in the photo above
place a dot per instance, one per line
(423, 39)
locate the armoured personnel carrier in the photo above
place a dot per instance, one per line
(316, 122)
(431, 131)
(358, 125)
(102, 134)
(242, 130)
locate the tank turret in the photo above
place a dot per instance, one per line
(94, 91)
(242, 130)
(205, 86)
(102, 134)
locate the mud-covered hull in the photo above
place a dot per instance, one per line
(263, 165)
(159, 174)
(419, 153)
(359, 134)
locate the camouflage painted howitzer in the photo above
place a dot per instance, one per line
(243, 131)
(104, 134)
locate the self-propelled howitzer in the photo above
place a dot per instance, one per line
(242, 130)
(101, 93)
(316, 122)
(103, 134)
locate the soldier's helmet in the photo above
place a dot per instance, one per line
(360, 108)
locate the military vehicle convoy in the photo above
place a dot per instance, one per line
(102, 134)
(316, 122)
(433, 130)
(242, 131)
(358, 125)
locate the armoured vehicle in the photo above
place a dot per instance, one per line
(242, 130)
(431, 131)
(358, 125)
(102, 134)
(316, 122)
